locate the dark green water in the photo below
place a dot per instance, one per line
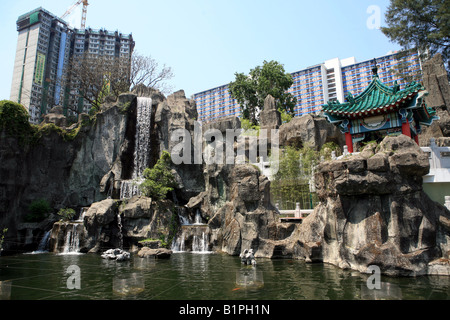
(187, 276)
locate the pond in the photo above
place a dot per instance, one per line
(189, 276)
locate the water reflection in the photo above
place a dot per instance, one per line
(129, 285)
(5, 290)
(385, 291)
(249, 278)
(201, 277)
(144, 263)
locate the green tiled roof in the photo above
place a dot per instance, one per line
(377, 98)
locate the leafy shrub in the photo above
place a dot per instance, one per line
(14, 120)
(38, 210)
(66, 214)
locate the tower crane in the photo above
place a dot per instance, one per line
(83, 16)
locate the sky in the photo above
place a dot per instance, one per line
(206, 42)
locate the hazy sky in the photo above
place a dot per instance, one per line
(207, 41)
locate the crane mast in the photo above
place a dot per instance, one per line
(83, 15)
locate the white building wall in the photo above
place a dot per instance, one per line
(336, 65)
(25, 63)
(18, 65)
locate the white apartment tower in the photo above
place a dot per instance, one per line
(315, 86)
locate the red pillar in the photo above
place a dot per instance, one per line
(349, 142)
(406, 130)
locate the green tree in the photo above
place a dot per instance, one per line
(420, 24)
(295, 170)
(159, 180)
(251, 90)
(291, 182)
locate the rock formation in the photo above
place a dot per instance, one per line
(309, 131)
(237, 205)
(110, 224)
(373, 211)
(178, 112)
(436, 82)
(73, 168)
(159, 253)
(270, 117)
(56, 117)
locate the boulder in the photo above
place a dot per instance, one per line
(101, 213)
(159, 253)
(136, 207)
(435, 81)
(56, 117)
(101, 224)
(116, 254)
(270, 117)
(310, 131)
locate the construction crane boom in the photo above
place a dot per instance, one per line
(83, 16)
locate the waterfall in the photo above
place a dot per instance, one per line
(43, 244)
(72, 241)
(184, 221)
(198, 218)
(193, 237)
(142, 148)
(119, 224)
(178, 244)
(200, 245)
(82, 214)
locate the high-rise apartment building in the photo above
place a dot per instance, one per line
(45, 46)
(314, 86)
(98, 43)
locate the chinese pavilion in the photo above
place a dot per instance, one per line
(381, 110)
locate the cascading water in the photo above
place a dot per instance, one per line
(200, 244)
(198, 218)
(193, 235)
(142, 148)
(178, 244)
(72, 241)
(82, 214)
(119, 224)
(43, 244)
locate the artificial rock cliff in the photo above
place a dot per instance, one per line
(65, 172)
(373, 211)
(372, 207)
